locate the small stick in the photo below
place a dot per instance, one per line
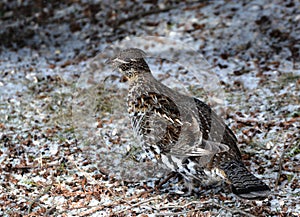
(46, 190)
(135, 205)
(281, 162)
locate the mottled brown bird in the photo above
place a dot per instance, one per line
(182, 132)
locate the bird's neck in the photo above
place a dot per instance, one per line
(142, 84)
(141, 78)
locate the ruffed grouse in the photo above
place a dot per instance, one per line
(182, 132)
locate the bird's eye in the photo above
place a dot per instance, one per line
(127, 59)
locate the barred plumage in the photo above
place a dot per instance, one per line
(182, 132)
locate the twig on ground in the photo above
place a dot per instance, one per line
(48, 212)
(172, 213)
(281, 161)
(233, 210)
(18, 167)
(46, 190)
(137, 204)
(140, 15)
(91, 211)
(97, 208)
(182, 206)
(211, 203)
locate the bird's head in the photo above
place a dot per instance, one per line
(130, 62)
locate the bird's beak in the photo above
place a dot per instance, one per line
(112, 63)
(115, 62)
(109, 61)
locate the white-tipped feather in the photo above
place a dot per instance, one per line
(120, 61)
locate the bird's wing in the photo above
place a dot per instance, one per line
(216, 131)
(178, 129)
(206, 148)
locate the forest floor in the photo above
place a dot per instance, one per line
(66, 144)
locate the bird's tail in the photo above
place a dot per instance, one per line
(243, 183)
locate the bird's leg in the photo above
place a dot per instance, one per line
(171, 175)
(156, 188)
(190, 186)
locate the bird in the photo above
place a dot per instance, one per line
(181, 132)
